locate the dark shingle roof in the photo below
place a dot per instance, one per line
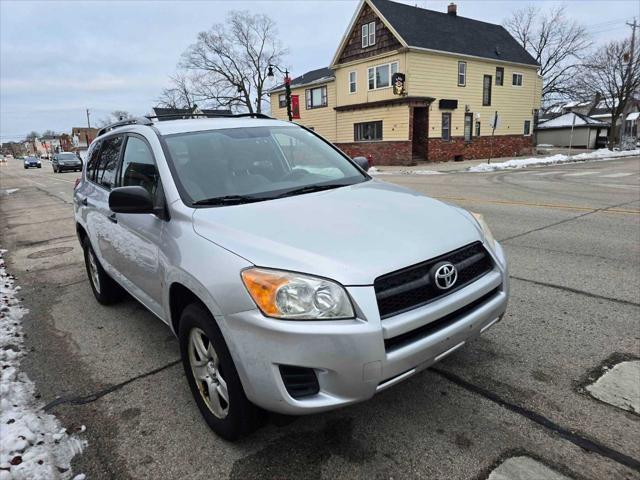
(309, 77)
(450, 33)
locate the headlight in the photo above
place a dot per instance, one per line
(485, 229)
(294, 296)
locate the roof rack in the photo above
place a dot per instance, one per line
(187, 116)
(121, 123)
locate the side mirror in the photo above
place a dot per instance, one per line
(133, 199)
(362, 162)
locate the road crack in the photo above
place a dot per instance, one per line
(583, 442)
(92, 397)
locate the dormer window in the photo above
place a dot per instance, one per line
(368, 34)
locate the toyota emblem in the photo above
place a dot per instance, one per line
(445, 275)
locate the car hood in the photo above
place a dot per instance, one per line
(351, 234)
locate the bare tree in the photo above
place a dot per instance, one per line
(613, 76)
(556, 43)
(49, 133)
(230, 61)
(31, 136)
(113, 117)
(179, 94)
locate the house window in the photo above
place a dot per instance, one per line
(316, 97)
(282, 100)
(516, 80)
(477, 129)
(486, 90)
(352, 82)
(367, 131)
(499, 76)
(368, 34)
(527, 127)
(446, 126)
(380, 76)
(468, 126)
(462, 74)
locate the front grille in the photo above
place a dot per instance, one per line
(437, 325)
(412, 287)
(299, 381)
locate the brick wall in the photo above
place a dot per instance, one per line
(503, 146)
(383, 153)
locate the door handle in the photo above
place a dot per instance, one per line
(113, 218)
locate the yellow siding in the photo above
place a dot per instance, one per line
(322, 120)
(395, 122)
(363, 94)
(435, 75)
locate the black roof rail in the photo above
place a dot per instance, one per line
(188, 116)
(121, 123)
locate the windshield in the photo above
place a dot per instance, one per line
(256, 162)
(67, 156)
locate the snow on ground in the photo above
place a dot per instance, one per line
(33, 444)
(602, 154)
(405, 171)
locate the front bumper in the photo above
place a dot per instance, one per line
(349, 356)
(69, 167)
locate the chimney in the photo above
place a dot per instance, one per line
(452, 9)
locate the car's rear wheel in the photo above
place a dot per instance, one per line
(104, 288)
(212, 376)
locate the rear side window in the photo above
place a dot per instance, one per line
(109, 156)
(92, 160)
(139, 167)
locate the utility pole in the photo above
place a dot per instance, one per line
(88, 121)
(630, 66)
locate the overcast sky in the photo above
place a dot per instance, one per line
(59, 58)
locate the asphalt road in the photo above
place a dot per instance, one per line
(572, 234)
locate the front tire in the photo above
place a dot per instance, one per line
(212, 376)
(104, 288)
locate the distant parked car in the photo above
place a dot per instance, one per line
(66, 161)
(32, 162)
(3, 159)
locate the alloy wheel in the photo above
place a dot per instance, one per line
(93, 270)
(205, 366)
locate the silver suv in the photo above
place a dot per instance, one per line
(294, 281)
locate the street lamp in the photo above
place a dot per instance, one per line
(287, 86)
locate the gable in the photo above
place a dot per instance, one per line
(385, 39)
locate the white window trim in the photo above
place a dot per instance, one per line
(463, 84)
(530, 124)
(355, 81)
(365, 36)
(285, 100)
(521, 79)
(372, 33)
(375, 82)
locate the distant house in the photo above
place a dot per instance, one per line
(177, 113)
(597, 109)
(573, 129)
(408, 84)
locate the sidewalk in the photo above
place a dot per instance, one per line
(426, 168)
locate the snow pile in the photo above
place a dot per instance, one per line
(602, 154)
(405, 171)
(33, 444)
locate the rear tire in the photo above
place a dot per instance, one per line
(237, 416)
(104, 288)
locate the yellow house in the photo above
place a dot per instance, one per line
(408, 84)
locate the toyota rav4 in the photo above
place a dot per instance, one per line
(294, 281)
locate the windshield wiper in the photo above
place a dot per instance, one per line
(311, 189)
(229, 200)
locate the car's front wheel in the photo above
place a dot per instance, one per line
(104, 288)
(213, 377)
